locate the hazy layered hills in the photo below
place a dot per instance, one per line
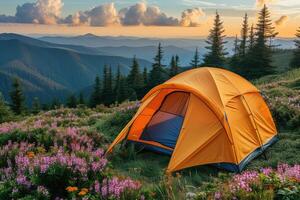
(146, 47)
(57, 66)
(49, 71)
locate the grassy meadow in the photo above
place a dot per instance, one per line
(59, 154)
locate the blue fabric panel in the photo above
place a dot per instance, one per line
(163, 128)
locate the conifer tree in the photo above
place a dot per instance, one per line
(145, 77)
(216, 51)
(157, 73)
(135, 78)
(124, 90)
(244, 38)
(5, 112)
(174, 66)
(117, 88)
(72, 101)
(81, 99)
(96, 96)
(36, 106)
(55, 103)
(196, 60)
(251, 38)
(235, 59)
(260, 63)
(295, 62)
(107, 92)
(17, 97)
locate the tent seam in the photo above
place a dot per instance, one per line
(233, 143)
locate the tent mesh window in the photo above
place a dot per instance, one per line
(165, 125)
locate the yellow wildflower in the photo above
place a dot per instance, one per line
(82, 193)
(71, 189)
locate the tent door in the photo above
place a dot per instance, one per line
(165, 125)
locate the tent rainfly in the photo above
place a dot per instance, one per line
(203, 116)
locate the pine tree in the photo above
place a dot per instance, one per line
(72, 101)
(251, 38)
(107, 92)
(295, 62)
(81, 99)
(244, 38)
(96, 96)
(55, 103)
(36, 106)
(216, 51)
(235, 59)
(123, 90)
(135, 78)
(17, 97)
(5, 112)
(173, 67)
(196, 60)
(260, 57)
(117, 87)
(157, 73)
(145, 76)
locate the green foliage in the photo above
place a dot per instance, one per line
(113, 124)
(5, 112)
(157, 74)
(238, 60)
(81, 99)
(36, 107)
(17, 97)
(107, 91)
(196, 60)
(72, 101)
(96, 96)
(259, 57)
(174, 66)
(295, 62)
(216, 51)
(135, 78)
(244, 37)
(290, 142)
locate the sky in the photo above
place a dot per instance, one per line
(151, 18)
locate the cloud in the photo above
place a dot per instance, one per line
(40, 12)
(103, 15)
(191, 17)
(260, 3)
(49, 12)
(282, 20)
(142, 14)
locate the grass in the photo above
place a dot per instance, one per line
(281, 59)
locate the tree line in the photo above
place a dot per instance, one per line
(252, 59)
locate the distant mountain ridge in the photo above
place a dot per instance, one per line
(91, 40)
(47, 71)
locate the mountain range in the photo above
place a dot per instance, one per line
(53, 67)
(48, 70)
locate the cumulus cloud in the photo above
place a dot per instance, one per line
(260, 3)
(40, 12)
(103, 15)
(191, 17)
(142, 14)
(49, 12)
(282, 20)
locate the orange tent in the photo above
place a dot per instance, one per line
(203, 116)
